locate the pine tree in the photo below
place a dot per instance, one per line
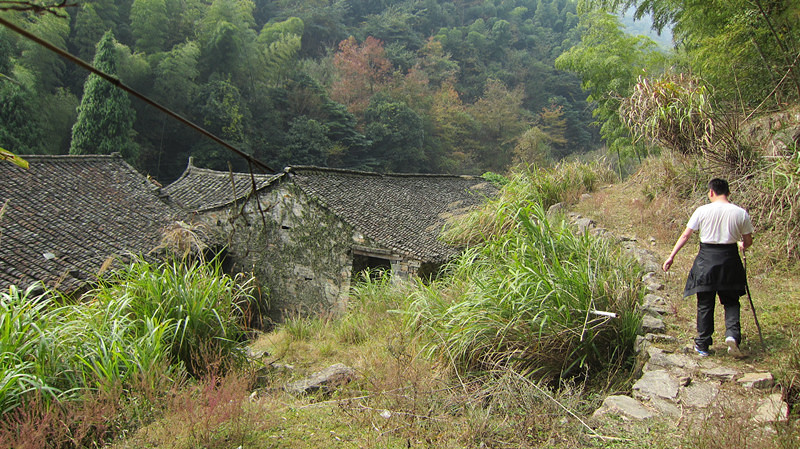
(105, 117)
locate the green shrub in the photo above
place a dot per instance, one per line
(23, 321)
(200, 306)
(148, 321)
(527, 300)
(527, 185)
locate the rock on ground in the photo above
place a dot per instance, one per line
(325, 380)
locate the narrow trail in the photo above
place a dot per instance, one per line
(673, 382)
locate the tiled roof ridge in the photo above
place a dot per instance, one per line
(210, 171)
(397, 238)
(113, 157)
(192, 189)
(346, 171)
(71, 157)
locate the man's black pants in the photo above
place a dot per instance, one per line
(705, 316)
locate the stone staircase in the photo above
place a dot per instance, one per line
(674, 383)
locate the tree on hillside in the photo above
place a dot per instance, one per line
(225, 33)
(48, 66)
(437, 65)
(88, 30)
(278, 44)
(609, 62)
(363, 71)
(224, 113)
(18, 130)
(747, 49)
(307, 143)
(149, 24)
(533, 148)
(501, 118)
(453, 126)
(105, 118)
(176, 76)
(397, 136)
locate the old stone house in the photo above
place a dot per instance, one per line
(307, 231)
(67, 216)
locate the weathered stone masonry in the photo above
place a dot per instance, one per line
(320, 225)
(303, 254)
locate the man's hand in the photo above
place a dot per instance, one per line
(747, 240)
(678, 245)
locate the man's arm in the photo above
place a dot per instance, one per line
(747, 241)
(678, 245)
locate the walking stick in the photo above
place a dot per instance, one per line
(752, 306)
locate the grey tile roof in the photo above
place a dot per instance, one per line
(404, 212)
(67, 214)
(200, 189)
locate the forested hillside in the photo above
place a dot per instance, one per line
(403, 86)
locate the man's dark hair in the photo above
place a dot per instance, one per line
(719, 186)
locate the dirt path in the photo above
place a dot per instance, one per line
(674, 384)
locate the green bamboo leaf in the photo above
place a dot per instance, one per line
(6, 155)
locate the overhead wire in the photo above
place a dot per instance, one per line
(116, 82)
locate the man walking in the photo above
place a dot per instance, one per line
(717, 269)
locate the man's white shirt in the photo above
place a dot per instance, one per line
(720, 222)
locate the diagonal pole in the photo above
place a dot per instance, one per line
(752, 306)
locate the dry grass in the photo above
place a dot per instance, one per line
(401, 399)
(632, 209)
(674, 111)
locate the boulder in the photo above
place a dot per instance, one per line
(653, 325)
(585, 224)
(656, 384)
(771, 409)
(625, 407)
(699, 394)
(325, 380)
(760, 381)
(555, 209)
(655, 304)
(720, 373)
(660, 359)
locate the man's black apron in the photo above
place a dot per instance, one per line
(716, 268)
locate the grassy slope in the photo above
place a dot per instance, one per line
(629, 210)
(626, 209)
(400, 399)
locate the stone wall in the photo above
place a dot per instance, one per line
(777, 133)
(302, 259)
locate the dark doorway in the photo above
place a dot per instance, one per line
(362, 263)
(428, 272)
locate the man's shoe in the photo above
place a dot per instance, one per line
(701, 352)
(733, 347)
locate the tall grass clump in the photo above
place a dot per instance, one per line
(201, 307)
(537, 298)
(372, 298)
(139, 332)
(674, 111)
(528, 185)
(774, 200)
(23, 321)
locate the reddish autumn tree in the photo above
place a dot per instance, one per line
(363, 70)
